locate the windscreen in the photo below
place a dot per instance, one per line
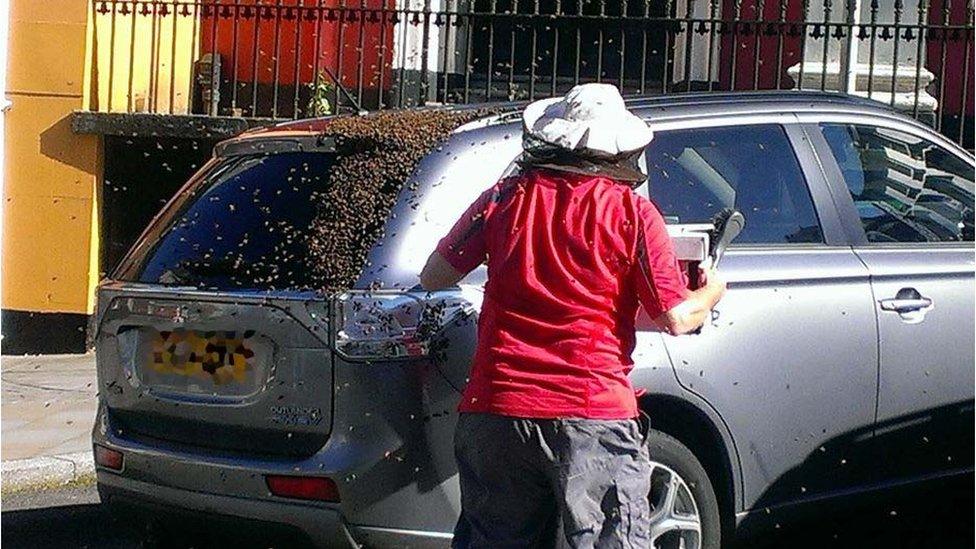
(243, 226)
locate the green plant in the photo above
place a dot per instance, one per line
(318, 103)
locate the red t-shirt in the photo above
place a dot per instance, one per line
(570, 259)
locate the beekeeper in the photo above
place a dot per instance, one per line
(549, 448)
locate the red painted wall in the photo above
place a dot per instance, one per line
(302, 36)
(956, 43)
(745, 44)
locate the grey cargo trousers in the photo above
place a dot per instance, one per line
(575, 483)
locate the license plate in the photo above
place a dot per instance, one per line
(203, 358)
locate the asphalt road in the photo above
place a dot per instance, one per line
(940, 517)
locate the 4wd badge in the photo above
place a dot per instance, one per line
(296, 415)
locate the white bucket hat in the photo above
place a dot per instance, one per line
(591, 118)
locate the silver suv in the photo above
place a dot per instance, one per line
(841, 360)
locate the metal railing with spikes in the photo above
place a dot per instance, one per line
(301, 58)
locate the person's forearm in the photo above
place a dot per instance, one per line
(693, 312)
(710, 294)
(439, 274)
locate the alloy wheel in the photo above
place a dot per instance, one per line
(675, 522)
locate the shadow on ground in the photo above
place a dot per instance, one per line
(939, 515)
(934, 516)
(74, 518)
(74, 525)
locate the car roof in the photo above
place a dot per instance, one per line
(658, 107)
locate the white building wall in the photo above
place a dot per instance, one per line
(697, 44)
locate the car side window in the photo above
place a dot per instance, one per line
(905, 188)
(695, 173)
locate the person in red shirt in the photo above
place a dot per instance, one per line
(549, 449)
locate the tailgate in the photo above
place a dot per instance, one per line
(236, 373)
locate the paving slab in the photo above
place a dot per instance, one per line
(47, 411)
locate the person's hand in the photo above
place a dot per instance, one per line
(711, 278)
(705, 269)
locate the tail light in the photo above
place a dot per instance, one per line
(108, 458)
(314, 488)
(391, 325)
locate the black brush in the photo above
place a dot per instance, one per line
(728, 224)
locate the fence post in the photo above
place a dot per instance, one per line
(849, 70)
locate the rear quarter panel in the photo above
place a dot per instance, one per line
(444, 184)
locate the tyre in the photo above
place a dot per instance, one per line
(684, 509)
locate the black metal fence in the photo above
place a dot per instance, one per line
(299, 58)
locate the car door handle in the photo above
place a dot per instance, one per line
(905, 305)
(905, 301)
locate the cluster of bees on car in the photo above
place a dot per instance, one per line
(377, 154)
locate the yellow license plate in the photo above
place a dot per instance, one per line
(221, 357)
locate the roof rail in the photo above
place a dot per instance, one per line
(693, 98)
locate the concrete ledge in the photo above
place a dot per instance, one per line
(36, 333)
(46, 472)
(163, 125)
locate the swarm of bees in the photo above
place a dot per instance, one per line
(324, 247)
(377, 153)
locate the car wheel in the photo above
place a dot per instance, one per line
(684, 510)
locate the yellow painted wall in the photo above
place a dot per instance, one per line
(167, 43)
(50, 237)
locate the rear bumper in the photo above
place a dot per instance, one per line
(178, 488)
(390, 453)
(323, 527)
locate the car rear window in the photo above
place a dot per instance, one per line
(243, 226)
(292, 220)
